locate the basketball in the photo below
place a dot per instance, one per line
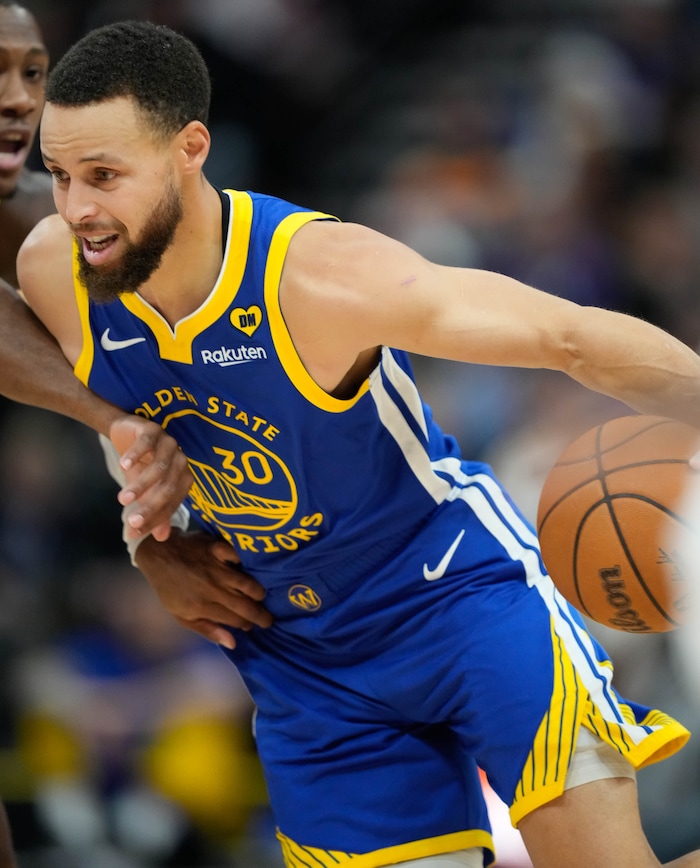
(610, 519)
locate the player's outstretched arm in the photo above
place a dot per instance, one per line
(346, 289)
(198, 581)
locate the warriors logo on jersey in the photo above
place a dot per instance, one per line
(249, 488)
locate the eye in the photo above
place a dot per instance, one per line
(59, 175)
(35, 74)
(105, 175)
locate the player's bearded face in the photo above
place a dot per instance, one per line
(140, 258)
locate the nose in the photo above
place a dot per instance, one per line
(16, 101)
(79, 206)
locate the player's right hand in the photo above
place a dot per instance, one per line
(198, 581)
(157, 474)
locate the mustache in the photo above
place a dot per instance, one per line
(100, 228)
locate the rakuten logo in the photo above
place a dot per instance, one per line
(226, 356)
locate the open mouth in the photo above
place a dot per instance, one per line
(97, 249)
(13, 150)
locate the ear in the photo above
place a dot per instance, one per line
(192, 144)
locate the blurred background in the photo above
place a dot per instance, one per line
(555, 140)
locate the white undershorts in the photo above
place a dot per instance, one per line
(593, 760)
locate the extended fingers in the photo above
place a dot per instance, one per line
(235, 578)
(231, 600)
(231, 610)
(165, 472)
(236, 609)
(155, 490)
(209, 630)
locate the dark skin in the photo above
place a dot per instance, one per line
(198, 581)
(25, 196)
(7, 859)
(20, 212)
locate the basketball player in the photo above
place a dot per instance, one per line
(416, 635)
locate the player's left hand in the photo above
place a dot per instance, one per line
(157, 474)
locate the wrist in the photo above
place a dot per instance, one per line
(146, 548)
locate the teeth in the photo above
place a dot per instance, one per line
(99, 242)
(13, 137)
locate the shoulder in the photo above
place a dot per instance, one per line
(349, 255)
(49, 236)
(47, 252)
(33, 198)
(333, 241)
(45, 272)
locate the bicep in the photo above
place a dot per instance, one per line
(363, 289)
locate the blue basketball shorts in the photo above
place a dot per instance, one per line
(376, 710)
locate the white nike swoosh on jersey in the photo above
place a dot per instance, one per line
(108, 344)
(439, 571)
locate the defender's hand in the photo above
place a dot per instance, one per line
(197, 580)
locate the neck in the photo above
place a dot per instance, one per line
(191, 265)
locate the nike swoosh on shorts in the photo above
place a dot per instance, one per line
(439, 571)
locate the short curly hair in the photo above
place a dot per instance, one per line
(160, 69)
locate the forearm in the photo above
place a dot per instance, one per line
(33, 369)
(637, 363)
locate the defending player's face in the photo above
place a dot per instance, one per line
(115, 186)
(24, 62)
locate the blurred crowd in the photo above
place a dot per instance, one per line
(555, 140)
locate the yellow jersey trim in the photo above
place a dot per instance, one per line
(87, 353)
(668, 736)
(176, 344)
(284, 346)
(299, 856)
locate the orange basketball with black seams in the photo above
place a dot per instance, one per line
(610, 517)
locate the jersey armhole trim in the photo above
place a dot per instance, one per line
(284, 346)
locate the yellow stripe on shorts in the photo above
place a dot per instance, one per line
(544, 773)
(545, 769)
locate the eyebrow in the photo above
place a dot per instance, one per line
(35, 51)
(101, 157)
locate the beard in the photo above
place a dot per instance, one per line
(141, 258)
